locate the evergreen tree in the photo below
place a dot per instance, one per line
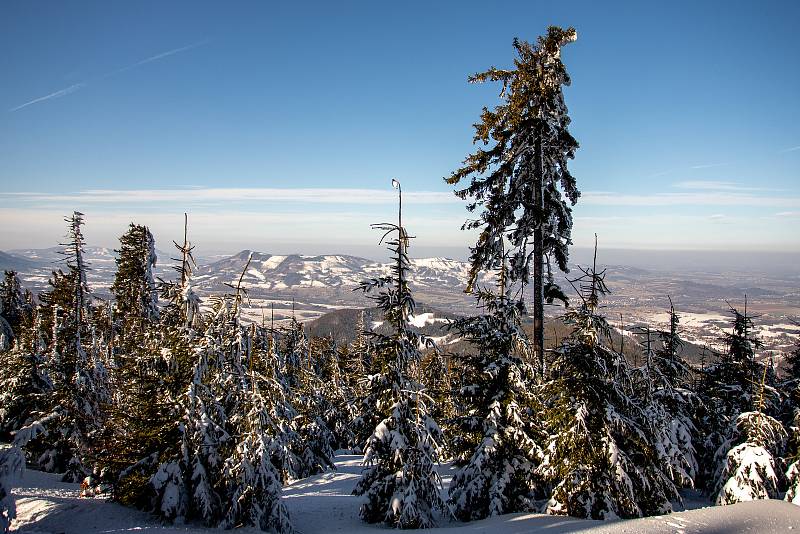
(294, 352)
(24, 389)
(793, 364)
(24, 383)
(400, 484)
(183, 303)
(522, 178)
(599, 460)
(334, 392)
(134, 287)
(791, 388)
(667, 405)
(254, 485)
(748, 471)
(362, 367)
(223, 475)
(729, 388)
(141, 413)
(500, 450)
(77, 375)
(791, 383)
(16, 310)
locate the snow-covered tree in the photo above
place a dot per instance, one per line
(521, 179)
(294, 352)
(500, 447)
(749, 469)
(158, 481)
(400, 484)
(312, 440)
(16, 309)
(254, 485)
(223, 474)
(791, 389)
(134, 287)
(183, 303)
(24, 389)
(141, 413)
(668, 406)
(77, 375)
(362, 366)
(335, 396)
(599, 459)
(729, 388)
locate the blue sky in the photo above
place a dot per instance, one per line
(278, 127)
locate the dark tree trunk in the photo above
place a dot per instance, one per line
(538, 254)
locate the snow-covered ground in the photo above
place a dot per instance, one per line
(323, 504)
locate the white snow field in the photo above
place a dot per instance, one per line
(323, 503)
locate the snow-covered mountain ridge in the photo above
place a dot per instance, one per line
(268, 271)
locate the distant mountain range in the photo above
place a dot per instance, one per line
(309, 287)
(278, 272)
(10, 262)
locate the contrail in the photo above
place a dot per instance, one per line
(81, 85)
(57, 94)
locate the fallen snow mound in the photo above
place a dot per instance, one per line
(323, 504)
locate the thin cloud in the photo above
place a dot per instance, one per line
(156, 57)
(57, 94)
(710, 198)
(80, 85)
(348, 196)
(792, 149)
(212, 196)
(709, 165)
(711, 185)
(661, 173)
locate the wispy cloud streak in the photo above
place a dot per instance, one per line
(710, 198)
(80, 85)
(230, 197)
(150, 59)
(57, 94)
(236, 195)
(709, 185)
(709, 165)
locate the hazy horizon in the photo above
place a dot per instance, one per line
(667, 260)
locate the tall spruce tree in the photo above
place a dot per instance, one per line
(141, 410)
(400, 484)
(522, 179)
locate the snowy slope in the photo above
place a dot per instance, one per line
(323, 504)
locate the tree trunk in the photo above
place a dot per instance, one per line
(538, 255)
